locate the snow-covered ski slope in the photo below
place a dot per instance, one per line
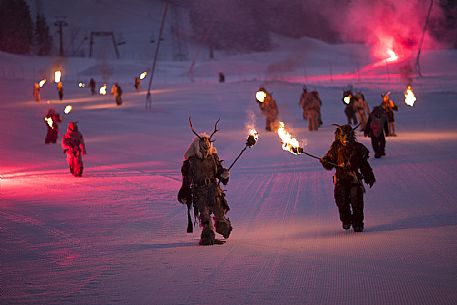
(117, 235)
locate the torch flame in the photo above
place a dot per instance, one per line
(288, 143)
(254, 134)
(393, 56)
(103, 90)
(49, 121)
(57, 76)
(409, 96)
(81, 85)
(143, 75)
(347, 99)
(260, 96)
(42, 82)
(68, 109)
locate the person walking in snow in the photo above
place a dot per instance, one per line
(137, 83)
(60, 90)
(51, 121)
(349, 111)
(389, 107)
(375, 128)
(350, 159)
(201, 171)
(92, 86)
(36, 92)
(269, 109)
(74, 147)
(116, 90)
(362, 109)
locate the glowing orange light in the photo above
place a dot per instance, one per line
(103, 90)
(260, 96)
(347, 99)
(42, 82)
(57, 76)
(143, 75)
(410, 98)
(289, 143)
(49, 121)
(68, 109)
(254, 134)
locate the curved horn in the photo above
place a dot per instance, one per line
(337, 125)
(193, 130)
(215, 128)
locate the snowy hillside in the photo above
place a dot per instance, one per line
(117, 235)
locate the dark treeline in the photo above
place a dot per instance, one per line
(18, 33)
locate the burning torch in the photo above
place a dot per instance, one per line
(260, 96)
(292, 145)
(410, 98)
(253, 137)
(42, 82)
(103, 89)
(50, 122)
(143, 75)
(57, 76)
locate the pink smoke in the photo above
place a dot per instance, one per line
(386, 26)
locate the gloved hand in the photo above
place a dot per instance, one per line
(225, 174)
(370, 183)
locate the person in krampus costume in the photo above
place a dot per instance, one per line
(350, 158)
(52, 131)
(73, 145)
(375, 129)
(201, 171)
(389, 107)
(92, 86)
(348, 99)
(36, 92)
(269, 110)
(362, 110)
(137, 83)
(60, 90)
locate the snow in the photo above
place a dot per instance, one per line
(117, 235)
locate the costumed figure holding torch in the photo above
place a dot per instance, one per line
(137, 83)
(350, 158)
(51, 121)
(74, 147)
(60, 90)
(269, 109)
(389, 107)
(200, 170)
(202, 173)
(348, 99)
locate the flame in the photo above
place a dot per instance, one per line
(260, 96)
(288, 143)
(393, 56)
(57, 76)
(103, 90)
(347, 99)
(254, 134)
(143, 75)
(42, 82)
(81, 85)
(49, 121)
(68, 109)
(409, 96)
